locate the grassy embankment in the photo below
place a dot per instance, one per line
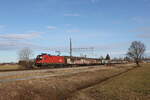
(133, 85)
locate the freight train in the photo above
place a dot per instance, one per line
(59, 61)
(67, 61)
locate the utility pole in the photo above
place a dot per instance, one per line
(70, 48)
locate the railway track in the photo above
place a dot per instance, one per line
(52, 67)
(44, 68)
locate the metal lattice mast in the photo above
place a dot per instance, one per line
(70, 48)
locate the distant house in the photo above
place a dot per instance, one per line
(106, 62)
(147, 60)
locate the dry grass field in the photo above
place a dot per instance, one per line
(133, 85)
(81, 83)
(10, 67)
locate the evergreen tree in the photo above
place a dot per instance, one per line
(107, 57)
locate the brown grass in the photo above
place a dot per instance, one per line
(9, 67)
(133, 85)
(58, 87)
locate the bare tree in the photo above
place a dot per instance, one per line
(24, 58)
(136, 51)
(25, 54)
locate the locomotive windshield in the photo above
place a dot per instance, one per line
(39, 57)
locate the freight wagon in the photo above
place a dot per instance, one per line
(51, 60)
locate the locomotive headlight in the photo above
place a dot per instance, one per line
(40, 57)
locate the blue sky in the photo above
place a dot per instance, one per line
(46, 25)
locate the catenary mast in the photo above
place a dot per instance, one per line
(70, 47)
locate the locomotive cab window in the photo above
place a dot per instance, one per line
(39, 57)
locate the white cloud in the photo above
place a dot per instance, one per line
(14, 45)
(145, 35)
(72, 14)
(20, 36)
(119, 52)
(2, 26)
(147, 52)
(142, 30)
(73, 31)
(116, 22)
(140, 20)
(51, 27)
(68, 24)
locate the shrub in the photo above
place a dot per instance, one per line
(26, 64)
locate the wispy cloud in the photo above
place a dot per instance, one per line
(146, 0)
(145, 35)
(67, 24)
(51, 27)
(143, 32)
(72, 14)
(139, 19)
(116, 22)
(141, 29)
(2, 26)
(94, 1)
(148, 51)
(20, 36)
(73, 31)
(15, 45)
(113, 46)
(118, 52)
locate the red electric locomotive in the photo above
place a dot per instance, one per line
(46, 60)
